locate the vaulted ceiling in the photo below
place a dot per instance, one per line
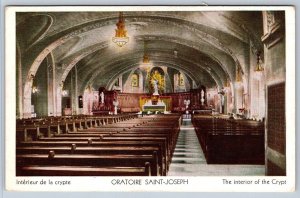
(210, 45)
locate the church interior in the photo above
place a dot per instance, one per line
(150, 93)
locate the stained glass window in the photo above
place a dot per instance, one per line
(134, 80)
(181, 79)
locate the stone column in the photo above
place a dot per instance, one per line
(27, 99)
(51, 86)
(275, 71)
(19, 90)
(58, 100)
(74, 91)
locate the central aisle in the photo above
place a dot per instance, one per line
(189, 160)
(188, 154)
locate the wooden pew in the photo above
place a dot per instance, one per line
(24, 160)
(227, 146)
(102, 136)
(113, 147)
(161, 140)
(61, 124)
(113, 150)
(25, 133)
(227, 141)
(83, 171)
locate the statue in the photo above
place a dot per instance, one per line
(202, 97)
(156, 82)
(155, 85)
(222, 98)
(187, 103)
(115, 103)
(102, 98)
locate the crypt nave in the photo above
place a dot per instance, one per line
(150, 93)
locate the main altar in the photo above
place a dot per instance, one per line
(153, 103)
(160, 106)
(145, 101)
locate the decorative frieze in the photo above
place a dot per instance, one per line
(273, 28)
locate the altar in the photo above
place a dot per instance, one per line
(160, 106)
(166, 100)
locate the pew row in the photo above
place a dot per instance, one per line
(84, 171)
(69, 145)
(225, 141)
(24, 160)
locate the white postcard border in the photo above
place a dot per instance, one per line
(195, 184)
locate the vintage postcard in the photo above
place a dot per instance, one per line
(150, 98)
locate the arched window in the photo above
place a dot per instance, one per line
(135, 80)
(117, 83)
(181, 79)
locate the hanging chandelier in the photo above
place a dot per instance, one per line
(227, 84)
(239, 77)
(34, 89)
(145, 57)
(146, 64)
(120, 37)
(258, 71)
(64, 92)
(259, 67)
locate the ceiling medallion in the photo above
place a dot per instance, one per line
(121, 38)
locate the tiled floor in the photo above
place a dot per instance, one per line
(189, 160)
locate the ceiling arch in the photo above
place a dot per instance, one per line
(180, 45)
(168, 18)
(210, 43)
(134, 63)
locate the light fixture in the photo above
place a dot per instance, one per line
(227, 83)
(34, 89)
(145, 57)
(238, 77)
(146, 61)
(61, 85)
(121, 33)
(258, 71)
(175, 53)
(65, 93)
